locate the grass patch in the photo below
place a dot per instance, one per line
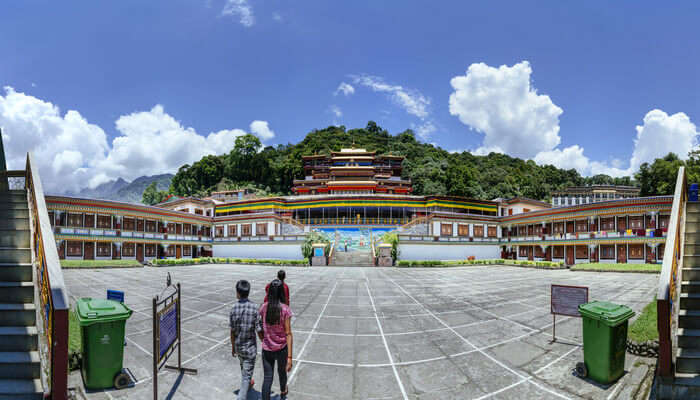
(644, 327)
(219, 260)
(75, 348)
(99, 263)
(461, 263)
(617, 267)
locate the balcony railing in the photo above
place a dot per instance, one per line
(52, 299)
(669, 285)
(354, 221)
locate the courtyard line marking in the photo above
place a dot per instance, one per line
(386, 345)
(308, 339)
(516, 373)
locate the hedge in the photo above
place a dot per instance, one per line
(100, 263)
(454, 263)
(219, 260)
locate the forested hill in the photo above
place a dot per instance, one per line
(433, 170)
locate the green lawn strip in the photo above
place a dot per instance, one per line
(463, 263)
(617, 267)
(219, 260)
(100, 263)
(644, 327)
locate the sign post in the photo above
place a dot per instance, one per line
(565, 301)
(167, 334)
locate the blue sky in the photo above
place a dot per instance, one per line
(612, 73)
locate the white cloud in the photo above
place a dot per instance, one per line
(262, 130)
(336, 111)
(410, 100)
(241, 9)
(425, 129)
(344, 88)
(486, 150)
(661, 134)
(502, 104)
(277, 17)
(72, 153)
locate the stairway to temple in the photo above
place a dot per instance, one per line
(355, 258)
(20, 365)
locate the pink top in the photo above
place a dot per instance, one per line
(275, 338)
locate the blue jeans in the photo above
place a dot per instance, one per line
(247, 367)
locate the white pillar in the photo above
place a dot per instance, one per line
(454, 229)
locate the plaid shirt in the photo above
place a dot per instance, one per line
(245, 321)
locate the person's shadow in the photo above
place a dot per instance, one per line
(256, 395)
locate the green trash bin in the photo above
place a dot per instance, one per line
(102, 324)
(604, 339)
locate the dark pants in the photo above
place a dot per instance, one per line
(269, 358)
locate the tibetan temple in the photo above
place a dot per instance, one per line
(354, 196)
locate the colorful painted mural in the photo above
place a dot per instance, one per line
(353, 239)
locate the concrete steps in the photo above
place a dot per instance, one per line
(687, 383)
(20, 362)
(21, 389)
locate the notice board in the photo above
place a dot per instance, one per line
(566, 299)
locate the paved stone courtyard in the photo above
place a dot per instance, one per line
(377, 333)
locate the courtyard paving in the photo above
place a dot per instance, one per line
(377, 333)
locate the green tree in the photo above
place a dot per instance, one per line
(151, 195)
(659, 178)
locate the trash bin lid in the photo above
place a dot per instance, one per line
(610, 314)
(91, 311)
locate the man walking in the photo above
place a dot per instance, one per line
(244, 321)
(281, 275)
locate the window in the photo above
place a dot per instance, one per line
(261, 229)
(150, 250)
(636, 251)
(581, 252)
(171, 228)
(537, 230)
(139, 225)
(492, 231)
(52, 218)
(607, 224)
(478, 231)
(187, 229)
(445, 229)
(246, 230)
(75, 219)
(103, 249)
(663, 221)
(463, 230)
(607, 252)
(150, 226)
(89, 220)
(219, 230)
(559, 227)
(129, 224)
(558, 251)
(198, 211)
(522, 251)
(187, 250)
(621, 223)
(522, 231)
(660, 251)
(636, 223)
(128, 249)
(232, 230)
(75, 249)
(582, 226)
(526, 210)
(104, 221)
(170, 251)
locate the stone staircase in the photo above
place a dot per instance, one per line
(20, 364)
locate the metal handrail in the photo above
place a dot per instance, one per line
(667, 295)
(52, 302)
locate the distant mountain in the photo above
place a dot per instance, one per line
(122, 190)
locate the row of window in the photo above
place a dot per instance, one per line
(606, 224)
(606, 251)
(246, 230)
(73, 248)
(79, 220)
(463, 230)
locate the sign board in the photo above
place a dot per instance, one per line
(167, 329)
(116, 295)
(318, 251)
(566, 299)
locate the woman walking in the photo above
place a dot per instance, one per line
(277, 340)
